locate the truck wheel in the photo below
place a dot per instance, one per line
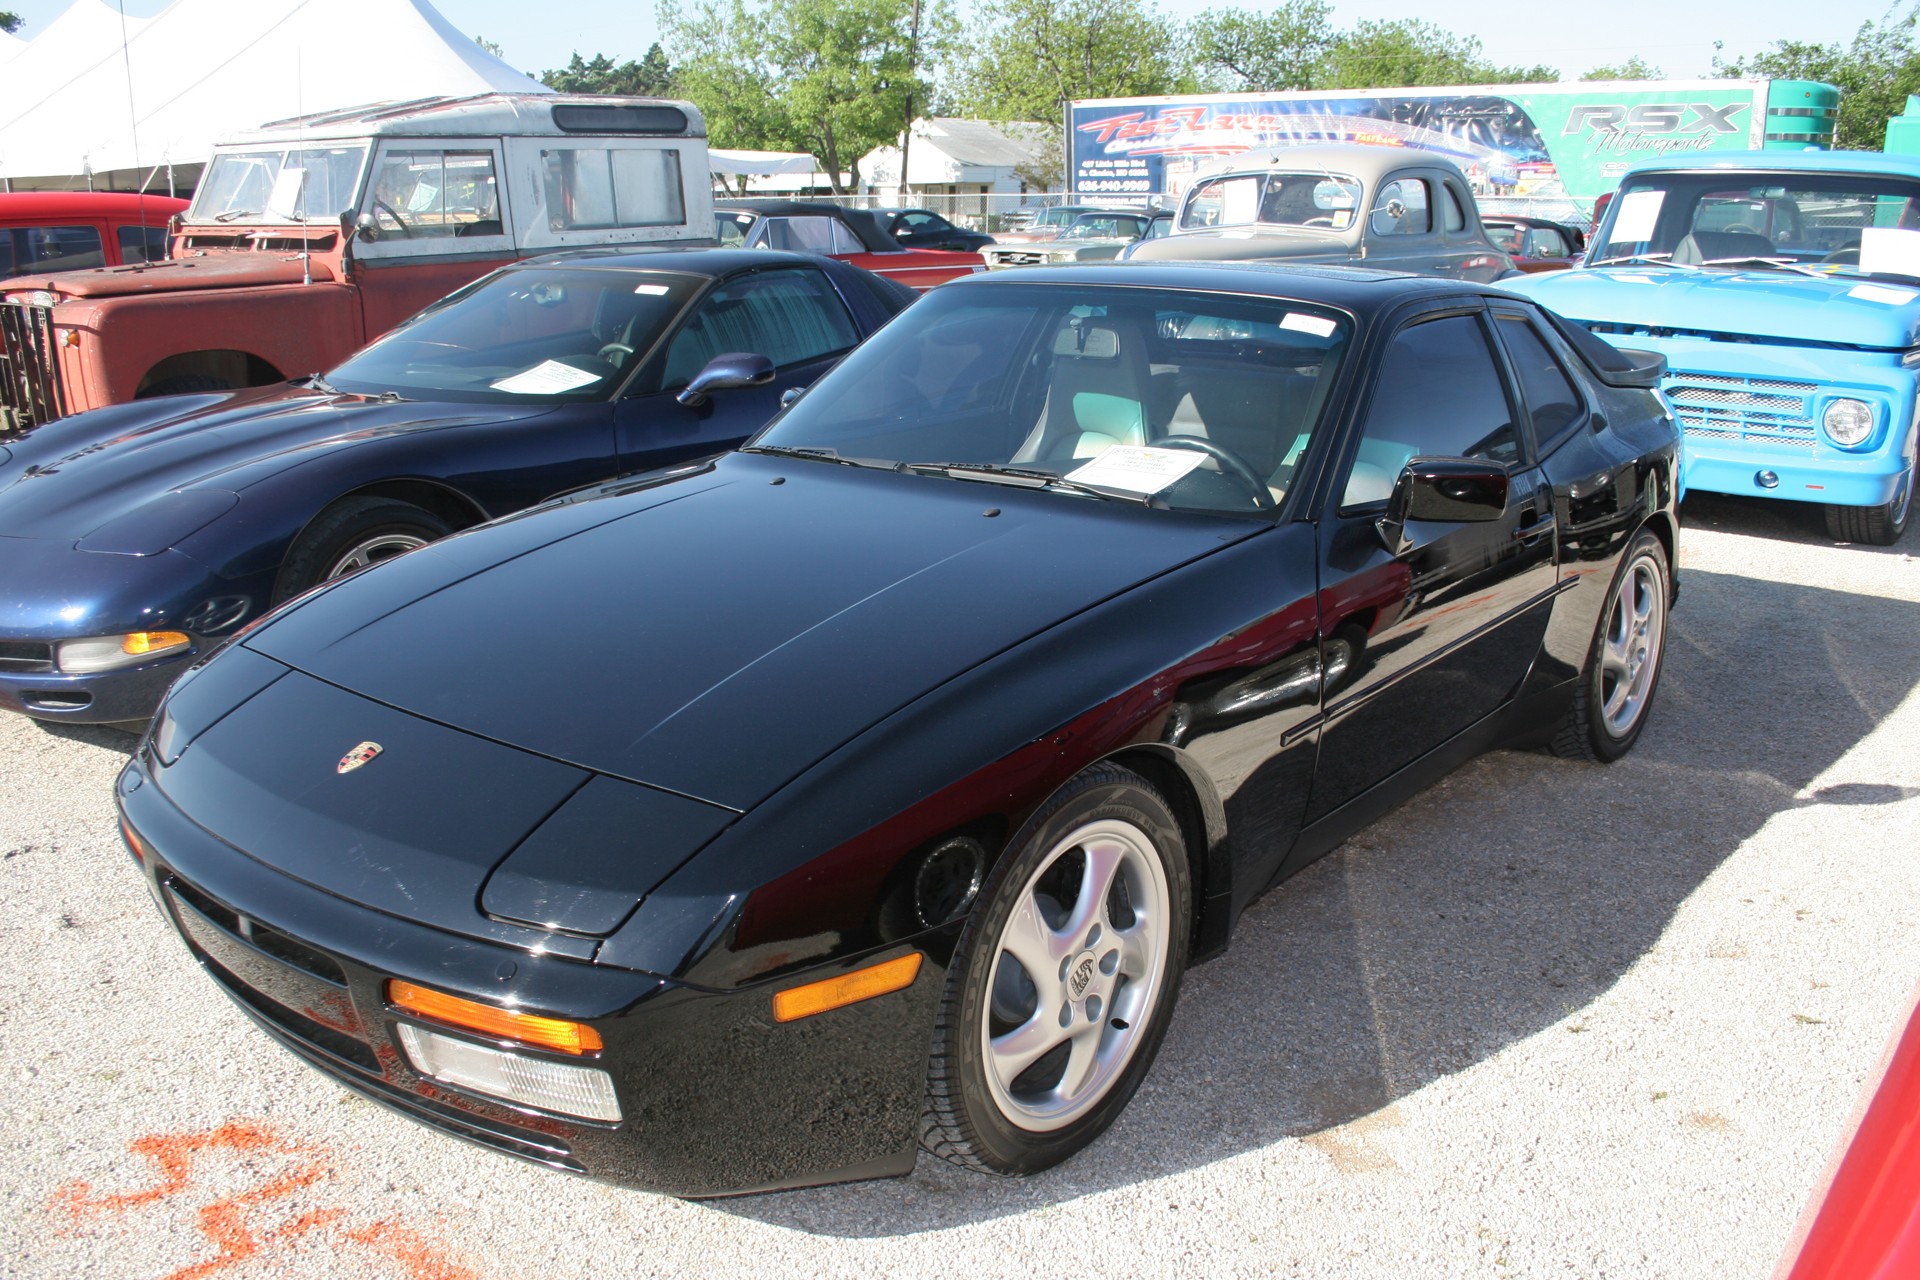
(1879, 526)
(352, 535)
(186, 384)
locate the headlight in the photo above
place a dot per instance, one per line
(535, 1082)
(1848, 422)
(108, 653)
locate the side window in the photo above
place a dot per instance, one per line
(593, 188)
(1550, 395)
(60, 249)
(787, 316)
(1454, 218)
(1544, 242)
(142, 244)
(1438, 394)
(1401, 209)
(435, 194)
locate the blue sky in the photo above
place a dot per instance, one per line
(1677, 37)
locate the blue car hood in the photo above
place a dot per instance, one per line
(717, 634)
(75, 475)
(1843, 311)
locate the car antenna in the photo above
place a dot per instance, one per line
(133, 117)
(300, 141)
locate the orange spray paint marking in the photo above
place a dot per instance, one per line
(228, 1222)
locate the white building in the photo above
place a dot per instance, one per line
(968, 168)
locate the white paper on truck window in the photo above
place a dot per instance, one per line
(1639, 210)
(547, 378)
(1137, 469)
(284, 199)
(1881, 294)
(1890, 249)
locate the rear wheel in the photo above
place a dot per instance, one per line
(354, 534)
(1064, 982)
(1623, 668)
(1879, 526)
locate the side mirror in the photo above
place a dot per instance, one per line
(791, 396)
(363, 226)
(1443, 490)
(728, 369)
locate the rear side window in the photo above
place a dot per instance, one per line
(600, 187)
(806, 234)
(37, 249)
(1439, 394)
(1550, 395)
(1456, 218)
(141, 244)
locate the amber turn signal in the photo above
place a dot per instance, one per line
(150, 641)
(832, 993)
(134, 844)
(546, 1033)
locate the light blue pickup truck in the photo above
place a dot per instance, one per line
(1784, 290)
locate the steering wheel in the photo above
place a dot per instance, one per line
(615, 352)
(1230, 462)
(399, 222)
(1317, 222)
(1848, 256)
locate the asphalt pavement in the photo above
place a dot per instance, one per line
(1548, 1019)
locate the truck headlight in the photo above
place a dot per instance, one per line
(1848, 422)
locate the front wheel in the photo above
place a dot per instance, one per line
(1623, 668)
(1064, 981)
(1879, 526)
(352, 535)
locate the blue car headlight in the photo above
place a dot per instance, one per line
(94, 654)
(1848, 422)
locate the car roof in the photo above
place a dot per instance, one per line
(86, 204)
(1356, 289)
(1787, 161)
(489, 115)
(709, 261)
(1354, 159)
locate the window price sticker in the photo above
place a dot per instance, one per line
(548, 378)
(1137, 469)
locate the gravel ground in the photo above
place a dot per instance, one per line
(1546, 1020)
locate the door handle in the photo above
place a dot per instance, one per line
(1539, 529)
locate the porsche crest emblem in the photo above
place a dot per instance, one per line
(357, 757)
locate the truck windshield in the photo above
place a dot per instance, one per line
(315, 183)
(1844, 224)
(1285, 199)
(524, 335)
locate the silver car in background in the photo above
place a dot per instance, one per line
(1095, 236)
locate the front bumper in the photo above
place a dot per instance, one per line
(106, 697)
(716, 1097)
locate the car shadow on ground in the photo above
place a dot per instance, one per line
(1801, 522)
(1490, 908)
(115, 738)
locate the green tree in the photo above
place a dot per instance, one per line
(1634, 68)
(1280, 49)
(1028, 62)
(1378, 55)
(9, 22)
(651, 76)
(1874, 75)
(830, 77)
(490, 47)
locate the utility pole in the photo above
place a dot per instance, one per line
(913, 73)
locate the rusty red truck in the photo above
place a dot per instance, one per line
(307, 238)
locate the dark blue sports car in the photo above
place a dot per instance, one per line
(876, 783)
(136, 537)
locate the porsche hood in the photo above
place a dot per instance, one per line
(714, 636)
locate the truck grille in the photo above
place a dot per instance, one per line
(32, 391)
(1714, 406)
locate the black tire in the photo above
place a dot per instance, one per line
(1116, 1010)
(1879, 526)
(187, 384)
(378, 527)
(1608, 712)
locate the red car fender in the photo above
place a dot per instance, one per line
(1867, 1225)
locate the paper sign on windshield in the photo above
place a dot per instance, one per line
(284, 199)
(1890, 249)
(1639, 210)
(1137, 469)
(1881, 294)
(547, 378)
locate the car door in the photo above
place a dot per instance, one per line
(1401, 233)
(792, 315)
(1433, 627)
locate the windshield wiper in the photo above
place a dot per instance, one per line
(1645, 260)
(816, 455)
(1022, 477)
(1778, 264)
(235, 214)
(325, 388)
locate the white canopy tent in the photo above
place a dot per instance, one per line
(86, 34)
(203, 69)
(10, 47)
(762, 163)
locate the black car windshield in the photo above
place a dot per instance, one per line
(1170, 398)
(1845, 224)
(524, 334)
